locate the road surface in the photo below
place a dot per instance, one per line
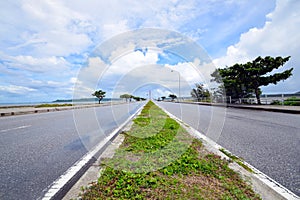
(267, 140)
(35, 149)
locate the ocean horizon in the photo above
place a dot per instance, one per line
(61, 101)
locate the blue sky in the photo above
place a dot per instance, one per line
(47, 47)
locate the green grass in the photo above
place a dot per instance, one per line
(53, 105)
(292, 101)
(237, 160)
(160, 160)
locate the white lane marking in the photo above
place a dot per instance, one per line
(215, 148)
(64, 179)
(16, 128)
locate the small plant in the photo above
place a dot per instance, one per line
(237, 160)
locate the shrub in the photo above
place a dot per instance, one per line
(293, 101)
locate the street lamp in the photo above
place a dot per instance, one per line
(178, 83)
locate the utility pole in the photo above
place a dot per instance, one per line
(178, 83)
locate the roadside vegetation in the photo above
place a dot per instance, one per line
(238, 160)
(53, 105)
(244, 80)
(160, 160)
(99, 94)
(292, 101)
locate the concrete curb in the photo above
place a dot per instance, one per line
(95, 171)
(33, 110)
(43, 110)
(252, 107)
(64, 183)
(268, 188)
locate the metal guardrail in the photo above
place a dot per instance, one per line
(283, 99)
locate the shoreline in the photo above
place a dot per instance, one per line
(74, 103)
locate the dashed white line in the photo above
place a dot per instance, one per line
(16, 128)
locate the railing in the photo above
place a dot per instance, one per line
(282, 99)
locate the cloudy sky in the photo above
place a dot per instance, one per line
(49, 47)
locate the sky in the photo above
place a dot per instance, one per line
(64, 49)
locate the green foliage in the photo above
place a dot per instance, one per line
(126, 96)
(275, 102)
(292, 101)
(244, 80)
(172, 96)
(193, 174)
(53, 105)
(137, 98)
(237, 160)
(99, 94)
(129, 97)
(199, 93)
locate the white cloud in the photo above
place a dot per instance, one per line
(16, 89)
(47, 28)
(132, 60)
(99, 74)
(46, 65)
(119, 59)
(45, 42)
(87, 79)
(158, 76)
(111, 29)
(132, 13)
(279, 37)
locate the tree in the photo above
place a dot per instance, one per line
(172, 96)
(126, 96)
(199, 92)
(163, 98)
(137, 98)
(234, 86)
(99, 94)
(242, 80)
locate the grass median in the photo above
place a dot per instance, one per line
(160, 160)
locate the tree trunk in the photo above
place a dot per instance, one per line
(257, 96)
(99, 101)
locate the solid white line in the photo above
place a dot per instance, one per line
(57, 185)
(273, 185)
(16, 128)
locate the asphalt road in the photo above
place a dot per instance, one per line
(267, 140)
(35, 149)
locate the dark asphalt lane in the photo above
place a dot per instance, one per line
(269, 141)
(36, 149)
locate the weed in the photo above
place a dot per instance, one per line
(183, 173)
(237, 160)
